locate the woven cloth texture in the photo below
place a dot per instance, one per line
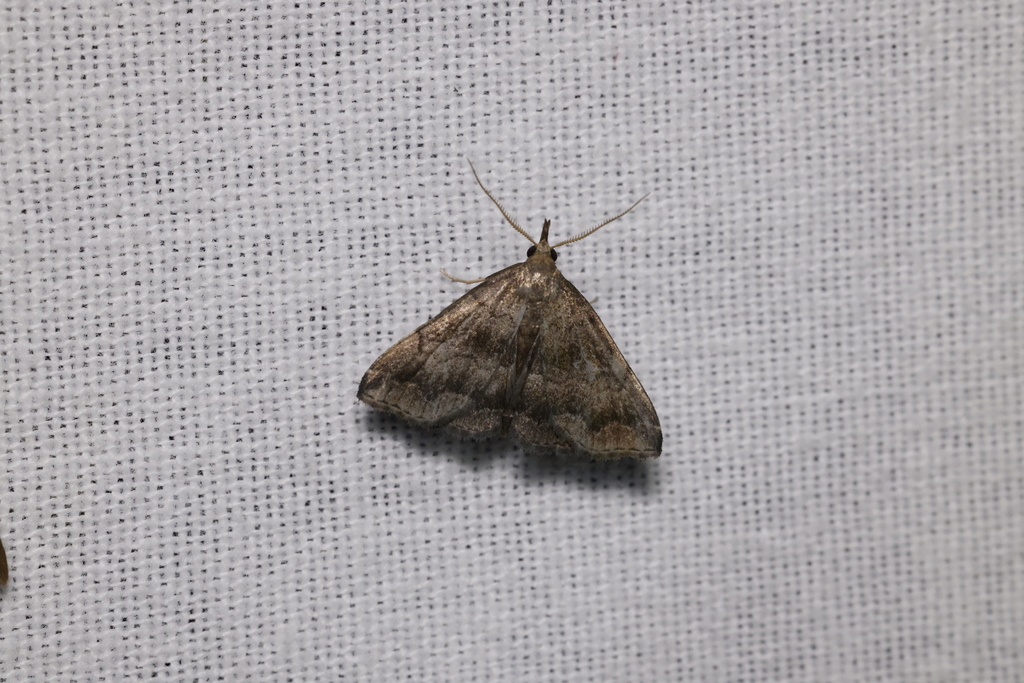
(215, 216)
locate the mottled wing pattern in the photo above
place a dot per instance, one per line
(580, 394)
(453, 370)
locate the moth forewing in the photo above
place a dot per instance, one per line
(3, 565)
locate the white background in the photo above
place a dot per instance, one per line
(215, 216)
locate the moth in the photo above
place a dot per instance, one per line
(522, 354)
(3, 565)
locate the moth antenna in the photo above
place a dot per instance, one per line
(459, 279)
(500, 207)
(580, 236)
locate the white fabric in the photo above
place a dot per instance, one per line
(217, 215)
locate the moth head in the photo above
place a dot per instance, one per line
(542, 245)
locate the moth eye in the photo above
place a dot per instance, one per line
(531, 251)
(554, 256)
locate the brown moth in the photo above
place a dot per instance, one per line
(3, 565)
(524, 354)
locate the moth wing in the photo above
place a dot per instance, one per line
(452, 370)
(580, 393)
(3, 565)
